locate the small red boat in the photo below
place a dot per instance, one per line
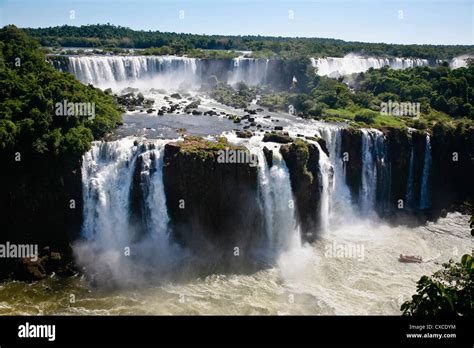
(410, 258)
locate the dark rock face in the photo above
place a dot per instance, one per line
(398, 153)
(302, 160)
(452, 167)
(213, 207)
(351, 146)
(41, 203)
(323, 145)
(268, 156)
(418, 140)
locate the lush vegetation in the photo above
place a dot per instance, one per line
(239, 97)
(173, 43)
(29, 90)
(444, 95)
(204, 148)
(448, 291)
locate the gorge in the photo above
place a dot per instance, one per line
(163, 226)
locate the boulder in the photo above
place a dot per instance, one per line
(277, 138)
(244, 134)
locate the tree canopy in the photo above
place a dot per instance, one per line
(106, 35)
(29, 90)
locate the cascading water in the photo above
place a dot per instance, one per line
(276, 196)
(369, 173)
(108, 174)
(409, 197)
(425, 189)
(460, 62)
(281, 226)
(252, 71)
(141, 71)
(340, 195)
(166, 72)
(351, 63)
(326, 170)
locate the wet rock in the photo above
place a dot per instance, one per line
(351, 149)
(244, 134)
(268, 156)
(277, 138)
(302, 160)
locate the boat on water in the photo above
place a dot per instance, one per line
(410, 258)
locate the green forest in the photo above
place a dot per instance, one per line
(110, 36)
(444, 95)
(29, 90)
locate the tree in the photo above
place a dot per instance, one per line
(448, 291)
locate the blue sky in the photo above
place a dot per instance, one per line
(392, 21)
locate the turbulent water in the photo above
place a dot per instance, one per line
(351, 63)
(352, 267)
(304, 281)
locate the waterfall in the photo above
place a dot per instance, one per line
(351, 63)
(460, 62)
(141, 71)
(409, 194)
(340, 195)
(369, 173)
(425, 189)
(108, 175)
(166, 72)
(383, 177)
(276, 197)
(251, 71)
(326, 169)
(279, 213)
